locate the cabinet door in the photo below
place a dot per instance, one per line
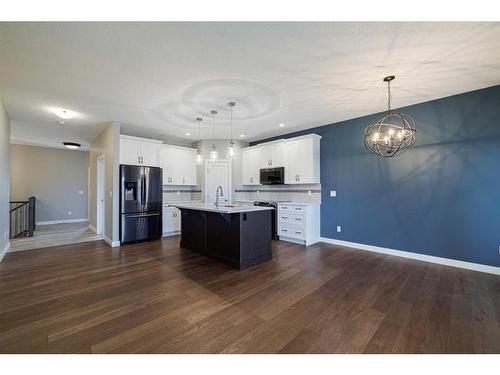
(169, 164)
(266, 157)
(246, 166)
(291, 149)
(278, 157)
(190, 168)
(305, 161)
(177, 220)
(163, 159)
(171, 220)
(129, 152)
(149, 154)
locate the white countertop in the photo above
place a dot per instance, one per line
(235, 208)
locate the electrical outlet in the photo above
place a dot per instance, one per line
(69, 213)
(258, 192)
(309, 192)
(339, 228)
(178, 192)
(80, 192)
(333, 193)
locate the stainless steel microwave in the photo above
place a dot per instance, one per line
(272, 176)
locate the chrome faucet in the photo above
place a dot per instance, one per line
(217, 195)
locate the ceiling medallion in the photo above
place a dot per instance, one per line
(392, 134)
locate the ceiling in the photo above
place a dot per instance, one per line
(155, 78)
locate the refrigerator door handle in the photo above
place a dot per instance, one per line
(142, 215)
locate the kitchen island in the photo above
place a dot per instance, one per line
(238, 235)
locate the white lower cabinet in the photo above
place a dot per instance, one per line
(171, 220)
(299, 223)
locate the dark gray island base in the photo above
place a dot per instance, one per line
(240, 239)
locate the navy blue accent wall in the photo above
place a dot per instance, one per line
(441, 197)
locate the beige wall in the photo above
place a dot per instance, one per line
(58, 179)
(107, 144)
(4, 180)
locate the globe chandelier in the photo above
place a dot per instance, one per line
(392, 134)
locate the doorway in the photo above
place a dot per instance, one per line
(218, 173)
(100, 193)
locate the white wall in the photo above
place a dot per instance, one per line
(4, 180)
(107, 143)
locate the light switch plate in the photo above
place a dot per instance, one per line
(69, 213)
(178, 192)
(333, 193)
(309, 192)
(339, 228)
(258, 192)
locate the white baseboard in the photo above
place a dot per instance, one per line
(49, 222)
(171, 234)
(416, 256)
(4, 251)
(111, 243)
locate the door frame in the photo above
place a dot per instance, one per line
(100, 192)
(229, 166)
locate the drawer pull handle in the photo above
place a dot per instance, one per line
(284, 230)
(297, 218)
(298, 232)
(298, 208)
(284, 217)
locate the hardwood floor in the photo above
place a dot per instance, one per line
(55, 235)
(157, 298)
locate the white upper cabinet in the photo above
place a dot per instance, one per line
(300, 157)
(250, 165)
(302, 160)
(139, 151)
(179, 165)
(272, 155)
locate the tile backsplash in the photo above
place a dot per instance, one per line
(293, 193)
(181, 193)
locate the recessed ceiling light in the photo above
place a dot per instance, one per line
(72, 145)
(242, 135)
(282, 125)
(64, 113)
(188, 133)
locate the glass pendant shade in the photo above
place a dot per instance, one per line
(230, 150)
(199, 155)
(392, 134)
(214, 154)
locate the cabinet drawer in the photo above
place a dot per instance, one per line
(293, 219)
(288, 231)
(292, 208)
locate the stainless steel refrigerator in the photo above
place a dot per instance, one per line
(140, 203)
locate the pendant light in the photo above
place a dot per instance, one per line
(213, 153)
(199, 156)
(230, 150)
(392, 134)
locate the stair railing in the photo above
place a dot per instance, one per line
(22, 218)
